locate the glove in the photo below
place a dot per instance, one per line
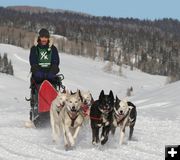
(51, 76)
(39, 74)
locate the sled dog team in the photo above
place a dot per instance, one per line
(70, 110)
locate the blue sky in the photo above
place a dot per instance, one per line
(143, 9)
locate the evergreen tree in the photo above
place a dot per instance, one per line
(10, 68)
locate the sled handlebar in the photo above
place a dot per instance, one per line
(60, 79)
(60, 76)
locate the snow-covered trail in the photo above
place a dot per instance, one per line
(17, 142)
(157, 123)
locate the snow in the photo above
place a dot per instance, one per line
(59, 37)
(157, 104)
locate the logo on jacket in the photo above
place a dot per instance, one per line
(44, 55)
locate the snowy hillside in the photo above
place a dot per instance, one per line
(157, 124)
(85, 73)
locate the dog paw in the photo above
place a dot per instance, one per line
(94, 143)
(66, 147)
(104, 140)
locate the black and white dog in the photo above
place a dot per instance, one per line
(101, 115)
(124, 115)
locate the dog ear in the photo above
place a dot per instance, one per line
(101, 95)
(92, 99)
(91, 96)
(79, 93)
(111, 94)
(117, 99)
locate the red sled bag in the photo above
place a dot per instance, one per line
(47, 93)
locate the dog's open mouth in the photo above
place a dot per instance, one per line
(106, 110)
(73, 110)
(119, 116)
(85, 103)
(61, 105)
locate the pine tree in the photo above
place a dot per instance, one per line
(10, 68)
(1, 64)
(5, 59)
(5, 65)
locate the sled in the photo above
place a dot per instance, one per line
(42, 96)
(47, 93)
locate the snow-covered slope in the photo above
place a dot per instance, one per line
(84, 73)
(162, 103)
(157, 105)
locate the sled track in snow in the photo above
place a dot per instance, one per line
(14, 153)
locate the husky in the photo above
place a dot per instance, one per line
(101, 115)
(57, 104)
(71, 119)
(87, 101)
(124, 115)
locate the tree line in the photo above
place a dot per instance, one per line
(151, 46)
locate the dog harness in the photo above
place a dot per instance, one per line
(85, 109)
(58, 108)
(73, 118)
(120, 119)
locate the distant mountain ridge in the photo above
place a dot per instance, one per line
(37, 9)
(151, 46)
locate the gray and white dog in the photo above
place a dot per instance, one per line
(124, 115)
(71, 119)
